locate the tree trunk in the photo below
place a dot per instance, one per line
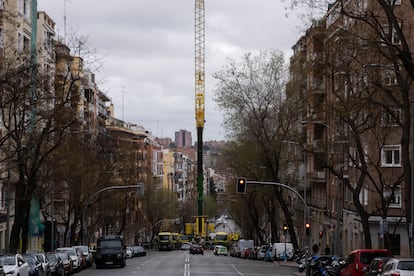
(364, 220)
(288, 217)
(22, 204)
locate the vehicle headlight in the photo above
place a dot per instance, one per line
(119, 256)
(10, 272)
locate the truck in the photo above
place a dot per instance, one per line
(221, 238)
(165, 241)
(110, 251)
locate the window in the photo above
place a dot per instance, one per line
(396, 198)
(1, 37)
(390, 155)
(393, 37)
(391, 117)
(363, 196)
(394, 2)
(19, 43)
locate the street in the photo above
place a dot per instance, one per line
(181, 263)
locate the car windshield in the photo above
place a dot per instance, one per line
(30, 260)
(367, 257)
(405, 265)
(51, 257)
(63, 256)
(110, 244)
(8, 260)
(40, 258)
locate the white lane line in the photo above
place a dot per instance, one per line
(235, 269)
(187, 265)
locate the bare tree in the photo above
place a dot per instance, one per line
(251, 93)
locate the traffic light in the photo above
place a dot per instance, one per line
(241, 185)
(285, 228)
(320, 234)
(307, 228)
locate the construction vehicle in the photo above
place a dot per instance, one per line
(165, 241)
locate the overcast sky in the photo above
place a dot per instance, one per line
(148, 50)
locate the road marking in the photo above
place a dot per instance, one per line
(187, 265)
(235, 269)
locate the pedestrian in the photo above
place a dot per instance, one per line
(315, 249)
(327, 250)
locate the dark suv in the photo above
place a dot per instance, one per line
(110, 251)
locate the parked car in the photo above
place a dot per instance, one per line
(41, 258)
(86, 252)
(400, 267)
(376, 266)
(141, 251)
(196, 249)
(357, 261)
(55, 264)
(67, 262)
(14, 265)
(235, 251)
(72, 255)
(261, 253)
(81, 258)
(220, 250)
(35, 267)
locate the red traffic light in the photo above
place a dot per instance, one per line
(307, 228)
(241, 185)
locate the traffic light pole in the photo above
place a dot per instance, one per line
(306, 209)
(287, 187)
(140, 190)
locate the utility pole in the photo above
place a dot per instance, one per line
(199, 101)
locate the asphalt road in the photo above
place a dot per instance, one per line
(181, 263)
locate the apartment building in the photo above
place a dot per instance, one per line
(354, 159)
(183, 138)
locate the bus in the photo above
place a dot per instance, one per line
(165, 241)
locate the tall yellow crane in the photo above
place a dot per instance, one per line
(199, 104)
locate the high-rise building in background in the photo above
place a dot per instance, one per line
(183, 138)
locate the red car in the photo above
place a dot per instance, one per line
(357, 262)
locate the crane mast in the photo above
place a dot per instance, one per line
(199, 105)
(199, 62)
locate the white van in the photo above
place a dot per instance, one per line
(279, 249)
